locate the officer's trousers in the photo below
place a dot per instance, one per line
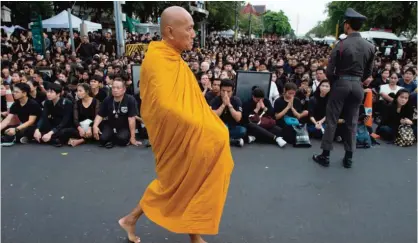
(345, 97)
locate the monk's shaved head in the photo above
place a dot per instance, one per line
(177, 27)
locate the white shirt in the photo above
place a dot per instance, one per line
(315, 85)
(274, 92)
(385, 89)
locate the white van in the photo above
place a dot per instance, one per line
(377, 37)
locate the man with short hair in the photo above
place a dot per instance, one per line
(27, 110)
(348, 70)
(121, 110)
(56, 116)
(408, 82)
(229, 109)
(320, 75)
(215, 91)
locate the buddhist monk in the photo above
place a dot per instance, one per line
(189, 141)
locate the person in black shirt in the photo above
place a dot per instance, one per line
(27, 110)
(84, 112)
(121, 110)
(36, 93)
(99, 93)
(259, 106)
(55, 117)
(287, 107)
(109, 44)
(86, 50)
(317, 109)
(229, 109)
(398, 112)
(215, 91)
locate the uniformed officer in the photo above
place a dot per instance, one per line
(351, 62)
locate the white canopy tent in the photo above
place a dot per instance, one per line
(60, 21)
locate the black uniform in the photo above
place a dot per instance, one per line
(351, 62)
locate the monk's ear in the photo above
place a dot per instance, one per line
(170, 32)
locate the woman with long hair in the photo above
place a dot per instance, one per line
(399, 112)
(84, 111)
(317, 109)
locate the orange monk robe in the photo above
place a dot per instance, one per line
(190, 143)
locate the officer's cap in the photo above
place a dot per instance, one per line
(351, 14)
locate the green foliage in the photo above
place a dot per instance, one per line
(222, 14)
(276, 23)
(398, 16)
(256, 24)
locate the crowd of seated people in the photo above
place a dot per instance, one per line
(90, 98)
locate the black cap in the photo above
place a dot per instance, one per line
(353, 15)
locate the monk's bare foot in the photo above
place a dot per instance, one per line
(76, 142)
(70, 141)
(196, 239)
(128, 224)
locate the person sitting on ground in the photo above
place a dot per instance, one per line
(399, 112)
(259, 128)
(215, 91)
(84, 112)
(408, 80)
(36, 93)
(98, 92)
(121, 110)
(274, 92)
(317, 109)
(27, 110)
(287, 108)
(388, 91)
(205, 84)
(55, 117)
(229, 109)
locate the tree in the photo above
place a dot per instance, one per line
(222, 14)
(398, 16)
(276, 23)
(23, 11)
(322, 29)
(256, 24)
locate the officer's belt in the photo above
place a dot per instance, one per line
(349, 78)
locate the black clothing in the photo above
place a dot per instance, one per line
(249, 107)
(280, 104)
(31, 108)
(3, 104)
(109, 45)
(118, 112)
(209, 96)
(101, 95)
(226, 116)
(82, 113)
(317, 107)
(87, 51)
(56, 117)
(120, 137)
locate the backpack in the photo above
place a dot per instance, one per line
(363, 139)
(405, 136)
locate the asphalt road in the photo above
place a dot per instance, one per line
(76, 195)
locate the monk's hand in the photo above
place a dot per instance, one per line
(134, 142)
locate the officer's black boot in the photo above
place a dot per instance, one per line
(322, 159)
(348, 159)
